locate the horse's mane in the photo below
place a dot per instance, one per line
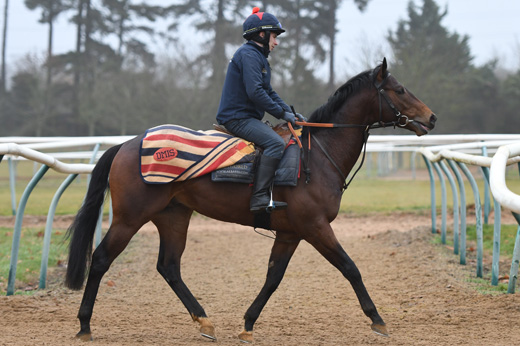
(324, 113)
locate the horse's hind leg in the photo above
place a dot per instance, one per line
(326, 243)
(115, 241)
(281, 253)
(172, 224)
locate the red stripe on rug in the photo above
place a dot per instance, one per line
(194, 143)
(221, 158)
(162, 168)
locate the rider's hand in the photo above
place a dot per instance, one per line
(290, 118)
(301, 117)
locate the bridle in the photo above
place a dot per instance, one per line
(400, 121)
(399, 117)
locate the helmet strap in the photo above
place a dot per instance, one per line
(264, 41)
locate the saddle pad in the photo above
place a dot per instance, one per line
(287, 173)
(175, 153)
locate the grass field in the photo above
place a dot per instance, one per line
(29, 255)
(364, 196)
(507, 241)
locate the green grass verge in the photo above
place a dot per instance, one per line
(390, 195)
(29, 256)
(507, 242)
(507, 239)
(483, 286)
(371, 195)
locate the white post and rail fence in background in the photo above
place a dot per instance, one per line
(442, 154)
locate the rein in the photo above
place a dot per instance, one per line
(400, 121)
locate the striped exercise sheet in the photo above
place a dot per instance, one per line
(175, 153)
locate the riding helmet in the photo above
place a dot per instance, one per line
(260, 21)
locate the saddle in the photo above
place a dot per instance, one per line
(288, 170)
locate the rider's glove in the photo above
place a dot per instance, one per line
(290, 118)
(301, 117)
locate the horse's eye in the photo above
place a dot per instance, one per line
(400, 91)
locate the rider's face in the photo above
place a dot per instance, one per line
(273, 42)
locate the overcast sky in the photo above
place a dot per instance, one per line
(493, 28)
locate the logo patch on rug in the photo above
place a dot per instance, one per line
(165, 154)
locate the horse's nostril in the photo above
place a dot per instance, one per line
(433, 118)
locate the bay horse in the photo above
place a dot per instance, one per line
(373, 98)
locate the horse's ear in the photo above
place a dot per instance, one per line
(382, 71)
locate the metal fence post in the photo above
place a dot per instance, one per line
(487, 203)
(12, 183)
(48, 229)
(455, 207)
(443, 202)
(478, 215)
(432, 193)
(513, 273)
(496, 234)
(462, 190)
(17, 232)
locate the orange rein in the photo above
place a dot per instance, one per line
(304, 123)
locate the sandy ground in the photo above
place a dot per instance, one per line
(420, 290)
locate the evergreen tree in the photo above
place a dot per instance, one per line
(328, 20)
(510, 99)
(125, 21)
(51, 9)
(222, 21)
(434, 63)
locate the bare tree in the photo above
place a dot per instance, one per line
(4, 44)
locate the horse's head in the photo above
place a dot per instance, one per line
(399, 106)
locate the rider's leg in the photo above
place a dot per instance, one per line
(255, 131)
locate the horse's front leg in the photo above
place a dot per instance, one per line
(326, 243)
(281, 253)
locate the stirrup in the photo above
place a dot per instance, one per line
(274, 205)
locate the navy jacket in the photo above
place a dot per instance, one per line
(247, 90)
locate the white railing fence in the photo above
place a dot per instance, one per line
(437, 150)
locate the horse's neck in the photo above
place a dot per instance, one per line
(343, 145)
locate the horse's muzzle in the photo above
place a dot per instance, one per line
(433, 120)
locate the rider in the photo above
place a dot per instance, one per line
(247, 94)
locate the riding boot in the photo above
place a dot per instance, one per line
(261, 198)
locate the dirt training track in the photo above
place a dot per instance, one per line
(420, 290)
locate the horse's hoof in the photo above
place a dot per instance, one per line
(208, 332)
(207, 329)
(379, 329)
(84, 336)
(246, 337)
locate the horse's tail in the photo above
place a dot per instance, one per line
(82, 229)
